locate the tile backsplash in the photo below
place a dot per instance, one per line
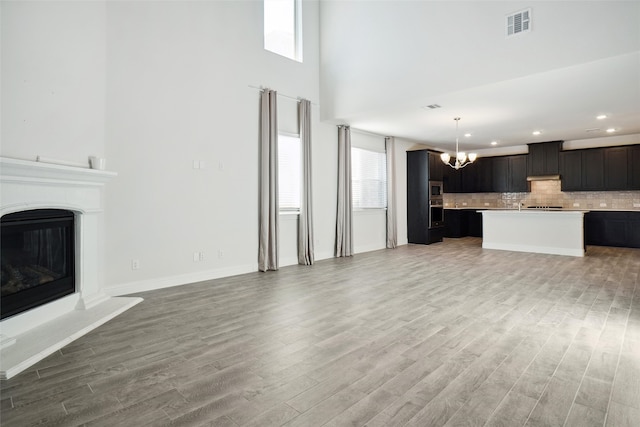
(547, 193)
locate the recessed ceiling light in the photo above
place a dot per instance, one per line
(611, 130)
(601, 116)
(467, 135)
(536, 132)
(494, 142)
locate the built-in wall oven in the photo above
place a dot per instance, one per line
(436, 209)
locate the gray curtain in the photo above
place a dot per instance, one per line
(344, 229)
(269, 228)
(305, 222)
(392, 223)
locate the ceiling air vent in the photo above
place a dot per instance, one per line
(519, 22)
(432, 106)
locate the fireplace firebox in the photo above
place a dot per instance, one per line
(38, 259)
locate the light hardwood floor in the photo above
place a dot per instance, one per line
(447, 334)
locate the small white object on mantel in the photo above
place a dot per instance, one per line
(555, 232)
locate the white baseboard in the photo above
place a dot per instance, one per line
(177, 280)
(184, 279)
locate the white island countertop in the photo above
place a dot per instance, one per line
(553, 231)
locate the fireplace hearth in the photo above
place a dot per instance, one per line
(38, 259)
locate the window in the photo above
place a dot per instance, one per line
(289, 173)
(368, 179)
(282, 29)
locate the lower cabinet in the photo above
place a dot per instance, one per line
(462, 223)
(612, 228)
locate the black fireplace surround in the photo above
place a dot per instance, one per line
(38, 259)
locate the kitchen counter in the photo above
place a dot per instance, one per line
(495, 208)
(559, 231)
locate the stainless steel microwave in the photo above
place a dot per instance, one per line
(435, 189)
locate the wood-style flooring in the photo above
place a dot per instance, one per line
(447, 334)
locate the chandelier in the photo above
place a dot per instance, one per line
(461, 157)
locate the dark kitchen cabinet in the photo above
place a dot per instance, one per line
(543, 158)
(484, 173)
(436, 167)
(571, 170)
(510, 174)
(616, 174)
(634, 167)
(418, 189)
(454, 223)
(474, 222)
(612, 228)
(462, 223)
(597, 169)
(518, 174)
(469, 176)
(451, 180)
(500, 177)
(593, 169)
(633, 228)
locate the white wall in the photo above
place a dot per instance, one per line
(178, 91)
(53, 79)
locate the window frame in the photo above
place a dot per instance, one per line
(382, 183)
(297, 32)
(290, 210)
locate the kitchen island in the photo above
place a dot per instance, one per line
(559, 232)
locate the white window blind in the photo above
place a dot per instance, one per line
(289, 173)
(282, 29)
(368, 179)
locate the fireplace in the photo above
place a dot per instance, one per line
(51, 219)
(38, 259)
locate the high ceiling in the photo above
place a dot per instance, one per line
(561, 105)
(384, 62)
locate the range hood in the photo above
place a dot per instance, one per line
(544, 178)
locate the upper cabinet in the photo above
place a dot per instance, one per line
(601, 169)
(616, 167)
(489, 175)
(510, 174)
(436, 167)
(543, 158)
(633, 158)
(593, 170)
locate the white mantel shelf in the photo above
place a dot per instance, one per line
(14, 169)
(558, 232)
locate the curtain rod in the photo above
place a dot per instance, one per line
(282, 94)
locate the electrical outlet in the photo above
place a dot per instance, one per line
(201, 256)
(603, 205)
(196, 256)
(135, 264)
(636, 205)
(220, 166)
(576, 205)
(196, 164)
(486, 203)
(464, 203)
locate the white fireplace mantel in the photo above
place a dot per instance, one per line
(30, 336)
